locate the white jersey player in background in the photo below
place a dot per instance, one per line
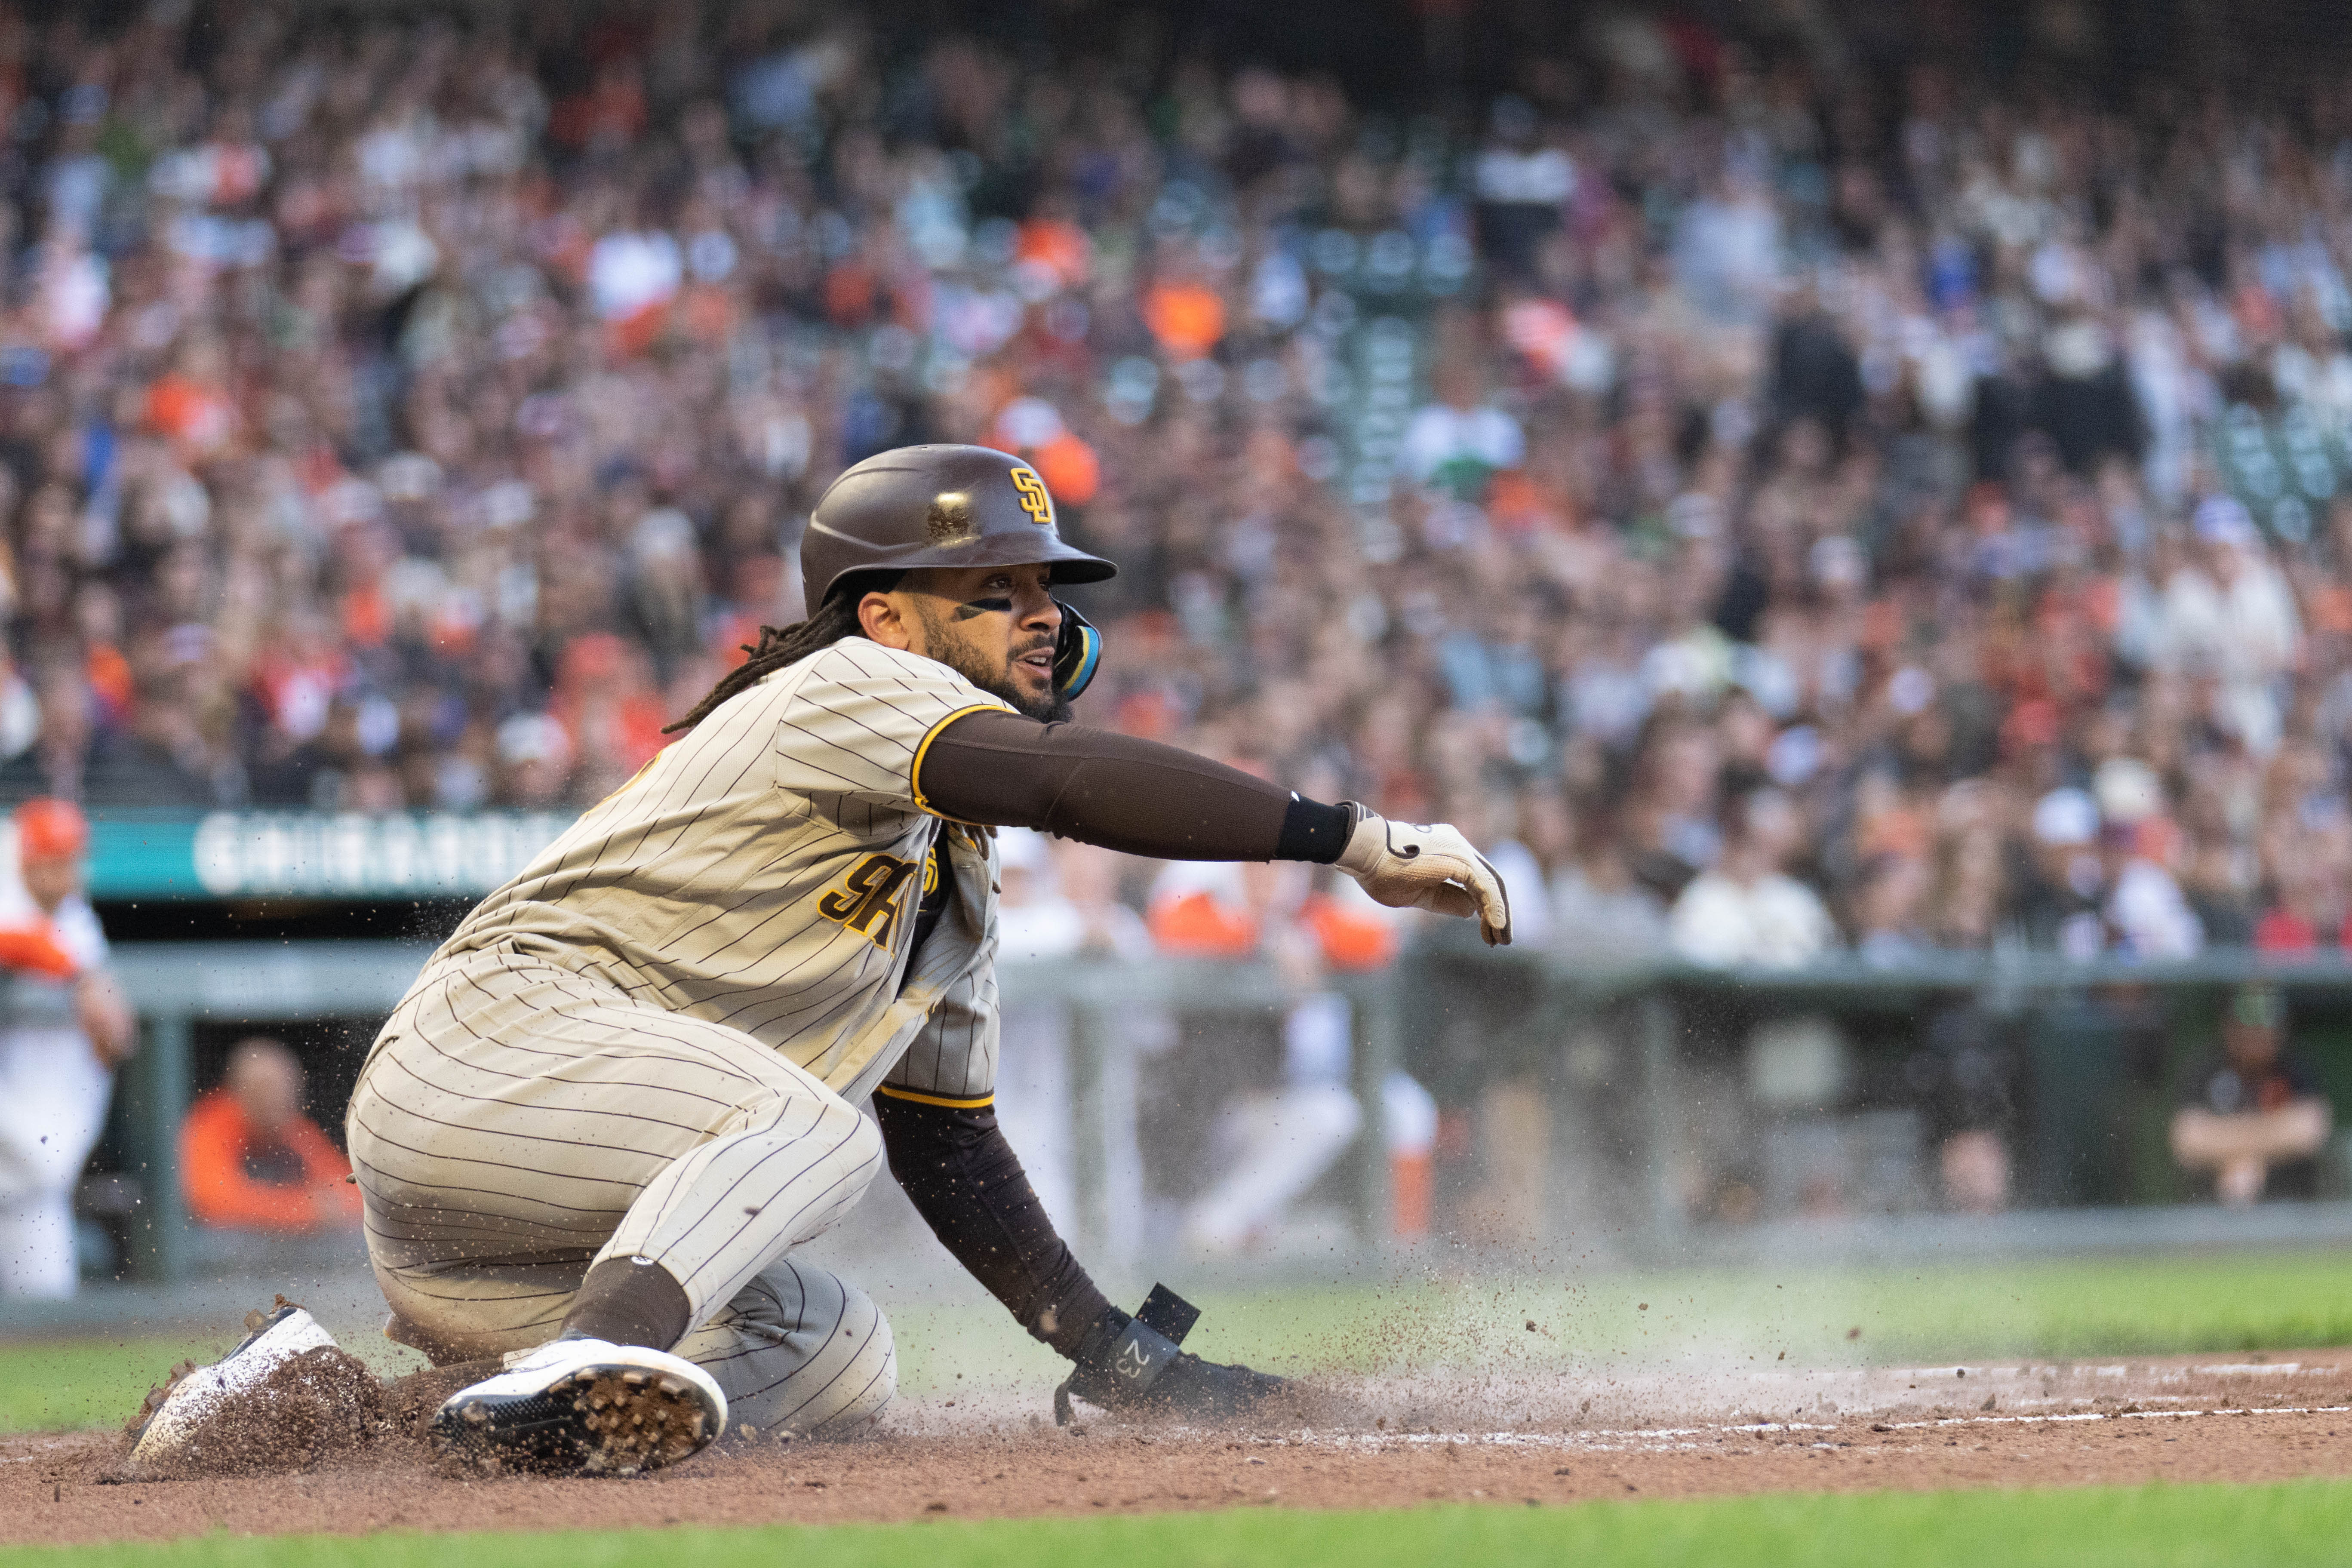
(64, 1028)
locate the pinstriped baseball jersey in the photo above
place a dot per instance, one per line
(763, 872)
(952, 1059)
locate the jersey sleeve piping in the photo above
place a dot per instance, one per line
(985, 1100)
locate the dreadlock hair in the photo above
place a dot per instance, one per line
(779, 645)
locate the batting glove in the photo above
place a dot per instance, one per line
(1410, 866)
(1125, 1365)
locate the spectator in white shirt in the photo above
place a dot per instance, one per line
(1461, 439)
(1747, 909)
(2232, 614)
(1522, 187)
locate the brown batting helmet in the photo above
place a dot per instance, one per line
(935, 506)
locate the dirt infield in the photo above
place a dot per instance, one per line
(2005, 1424)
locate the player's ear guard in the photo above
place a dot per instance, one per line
(1122, 1369)
(1077, 656)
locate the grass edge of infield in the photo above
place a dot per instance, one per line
(2176, 1526)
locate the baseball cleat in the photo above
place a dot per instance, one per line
(171, 1415)
(584, 1407)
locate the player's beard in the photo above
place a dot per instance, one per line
(959, 653)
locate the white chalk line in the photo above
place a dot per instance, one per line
(1658, 1440)
(2048, 1370)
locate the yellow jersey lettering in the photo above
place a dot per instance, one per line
(866, 901)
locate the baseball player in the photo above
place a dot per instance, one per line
(623, 1093)
(64, 1028)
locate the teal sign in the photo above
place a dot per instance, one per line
(313, 855)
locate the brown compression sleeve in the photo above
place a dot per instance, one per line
(1140, 797)
(968, 1185)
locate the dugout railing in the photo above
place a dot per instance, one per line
(1462, 1020)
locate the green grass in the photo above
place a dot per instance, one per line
(2073, 1309)
(2147, 1527)
(51, 1384)
(2060, 1309)
(2229, 1302)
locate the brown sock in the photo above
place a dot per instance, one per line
(629, 1301)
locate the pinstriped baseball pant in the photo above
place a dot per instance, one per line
(517, 1122)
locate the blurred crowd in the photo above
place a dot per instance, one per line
(1776, 498)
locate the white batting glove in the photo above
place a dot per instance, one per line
(1410, 866)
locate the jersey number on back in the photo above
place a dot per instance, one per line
(867, 900)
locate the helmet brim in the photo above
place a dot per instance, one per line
(1071, 566)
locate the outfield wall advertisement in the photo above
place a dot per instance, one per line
(313, 855)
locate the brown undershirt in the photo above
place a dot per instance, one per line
(1136, 796)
